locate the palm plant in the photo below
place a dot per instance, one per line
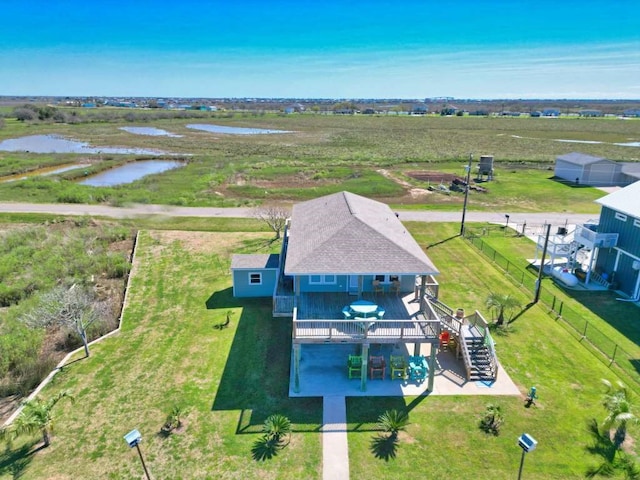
(174, 419)
(617, 401)
(393, 421)
(276, 426)
(492, 419)
(501, 303)
(37, 415)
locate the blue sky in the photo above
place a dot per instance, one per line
(328, 49)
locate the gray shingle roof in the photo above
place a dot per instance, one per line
(580, 158)
(344, 233)
(631, 168)
(254, 261)
(625, 200)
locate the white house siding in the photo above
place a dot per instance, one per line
(568, 171)
(602, 173)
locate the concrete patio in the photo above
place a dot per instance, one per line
(323, 372)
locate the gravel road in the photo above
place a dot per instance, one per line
(166, 210)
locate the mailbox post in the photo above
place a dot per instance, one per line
(528, 444)
(133, 439)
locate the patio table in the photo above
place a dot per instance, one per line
(364, 308)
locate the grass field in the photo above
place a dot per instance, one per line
(369, 155)
(229, 380)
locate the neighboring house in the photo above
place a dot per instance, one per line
(550, 112)
(620, 264)
(588, 170)
(343, 248)
(631, 112)
(591, 113)
(254, 275)
(419, 110)
(295, 108)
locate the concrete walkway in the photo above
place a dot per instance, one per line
(335, 448)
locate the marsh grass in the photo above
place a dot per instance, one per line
(327, 153)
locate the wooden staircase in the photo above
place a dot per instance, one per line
(478, 354)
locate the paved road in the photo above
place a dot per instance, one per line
(146, 210)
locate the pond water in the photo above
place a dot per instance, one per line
(234, 130)
(593, 142)
(130, 172)
(58, 144)
(152, 131)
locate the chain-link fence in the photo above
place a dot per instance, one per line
(604, 348)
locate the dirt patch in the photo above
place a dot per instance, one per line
(203, 242)
(395, 178)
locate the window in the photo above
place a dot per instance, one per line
(322, 279)
(621, 216)
(636, 223)
(255, 278)
(387, 278)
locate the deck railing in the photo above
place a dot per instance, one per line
(382, 331)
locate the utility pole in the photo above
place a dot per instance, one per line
(466, 194)
(544, 253)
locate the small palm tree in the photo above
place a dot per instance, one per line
(501, 303)
(37, 416)
(492, 419)
(174, 419)
(618, 403)
(393, 421)
(276, 426)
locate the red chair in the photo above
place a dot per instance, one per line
(445, 337)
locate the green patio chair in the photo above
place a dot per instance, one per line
(398, 366)
(354, 366)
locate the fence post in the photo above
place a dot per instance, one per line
(522, 279)
(553, 304)
(560, 312)
(494, 255)
(507, 266)
(584, 334)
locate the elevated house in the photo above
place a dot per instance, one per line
(344, 249)
(620, 263)
(609, 247)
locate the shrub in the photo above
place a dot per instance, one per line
(492, 419)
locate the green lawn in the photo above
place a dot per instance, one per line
(169, 352)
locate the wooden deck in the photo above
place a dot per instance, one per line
(318, 319)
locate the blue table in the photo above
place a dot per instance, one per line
(364, 309)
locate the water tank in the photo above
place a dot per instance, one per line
(486, 165)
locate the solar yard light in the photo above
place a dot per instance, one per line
(528, 444)
(133, 439)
